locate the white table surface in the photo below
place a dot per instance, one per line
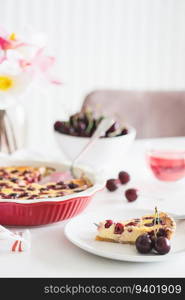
(52, 255)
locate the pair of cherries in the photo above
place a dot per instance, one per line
(123, 178)
(159, 243)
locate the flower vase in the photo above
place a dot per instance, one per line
(11, 129)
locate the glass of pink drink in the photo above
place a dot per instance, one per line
(167, 165)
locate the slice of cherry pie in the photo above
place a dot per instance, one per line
(22, 182)
(127, 232)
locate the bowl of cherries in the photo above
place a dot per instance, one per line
(72, 135)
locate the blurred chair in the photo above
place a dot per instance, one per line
(152, 113)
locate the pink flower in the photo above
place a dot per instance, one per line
(4, 44)
(31, 60)
(10, 42)
(40, 63)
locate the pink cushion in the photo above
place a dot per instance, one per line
(152, 113)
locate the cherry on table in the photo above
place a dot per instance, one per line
(131, 194)
(111, 185)
(124, 177)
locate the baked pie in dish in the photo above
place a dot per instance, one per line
(127, 232)
(27, 198)
(23, 182)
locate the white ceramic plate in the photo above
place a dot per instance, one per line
(81, 231)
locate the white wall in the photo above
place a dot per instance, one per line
(102, 43)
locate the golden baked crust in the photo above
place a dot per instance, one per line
(98, 238)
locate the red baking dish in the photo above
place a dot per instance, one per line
(36, 212)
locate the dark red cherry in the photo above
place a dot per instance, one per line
(124, 131)
(111, 185)
(124, 177)
(61, 127)
(131, 195)
(108, 223)
(149, 224)
(72, 131)
(57, 125)
(23, 195)
(14, 180)
(152, 237)
(13, 195)
(81, 127)
(119, 228)
(131, 224)
(113, 128)
(73, 185)
(144, 244)
(162, 245)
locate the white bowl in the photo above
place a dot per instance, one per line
(106, 153)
